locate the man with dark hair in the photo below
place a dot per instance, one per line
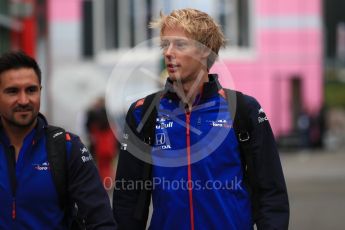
(29, 196)
(19, 60)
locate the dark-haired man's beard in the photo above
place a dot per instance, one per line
(21, 117)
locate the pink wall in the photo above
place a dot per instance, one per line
(64, 10)
(267, 7)
(288, 43)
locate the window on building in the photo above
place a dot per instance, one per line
(125, 22)
(4, 27)
(234, 16)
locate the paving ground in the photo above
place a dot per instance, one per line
(316, 186)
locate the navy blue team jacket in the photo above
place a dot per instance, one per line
(28, 197)
(197, 173)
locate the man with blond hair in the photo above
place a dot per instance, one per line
(196, 171)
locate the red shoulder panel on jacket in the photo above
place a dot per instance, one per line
(140, 102)
(221, 92)
(68, 137)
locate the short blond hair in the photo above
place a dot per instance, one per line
(199, 25)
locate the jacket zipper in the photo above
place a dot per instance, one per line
(11, 160)
(14, 208)
(191, 210)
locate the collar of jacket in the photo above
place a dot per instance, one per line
(209, 89)
(40, 129)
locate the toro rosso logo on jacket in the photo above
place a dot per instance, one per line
(42, 167)
(220, 123)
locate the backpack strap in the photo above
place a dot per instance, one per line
(56, 138)
(147, 125)
(243, 128)
(146, 130)
(57, 157)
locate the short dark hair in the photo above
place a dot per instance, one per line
(17, 60)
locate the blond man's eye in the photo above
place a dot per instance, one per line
(164, 45)
(181, 45)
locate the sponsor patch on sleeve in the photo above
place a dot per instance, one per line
(85, 154)
(262, 116)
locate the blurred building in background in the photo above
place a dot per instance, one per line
(275, 50)
(334, 46)
(24, 26)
